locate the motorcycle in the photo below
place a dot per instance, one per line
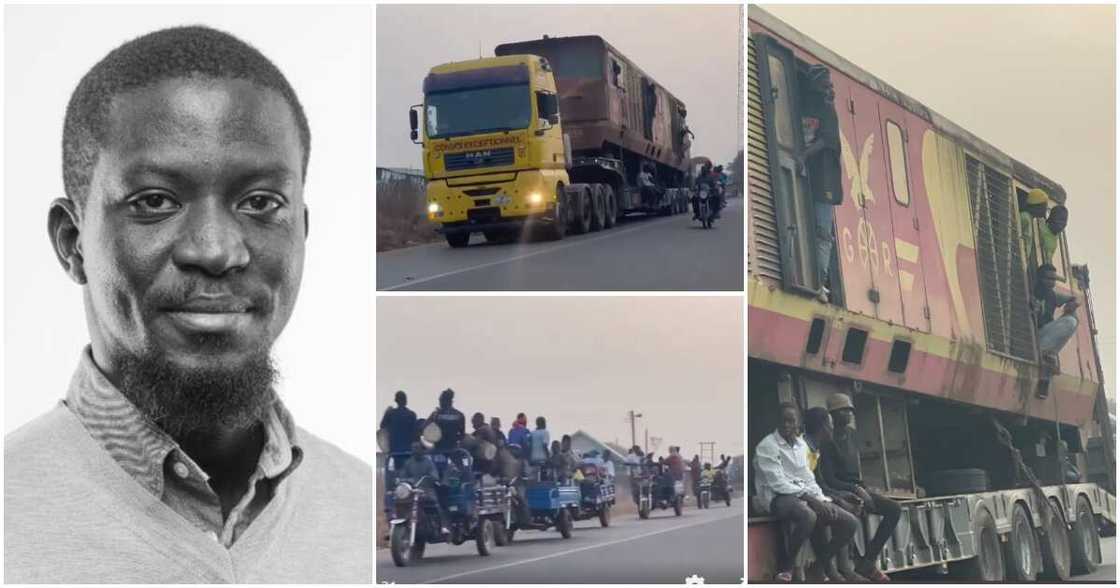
(721, 487)
(659, 491)
(704, 493)
(706, 208)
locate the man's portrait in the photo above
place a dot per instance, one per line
(173, 435)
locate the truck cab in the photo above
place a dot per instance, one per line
(492, 145)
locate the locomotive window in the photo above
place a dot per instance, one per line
(897, 148)
(783, 118)
(616, 72)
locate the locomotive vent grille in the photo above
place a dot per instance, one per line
(999, 262)
(764, 256)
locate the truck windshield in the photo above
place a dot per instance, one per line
(477, 110)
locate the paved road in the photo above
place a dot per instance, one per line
(642, 253)
(1107, 570)
(661, 550)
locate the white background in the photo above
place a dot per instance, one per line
(325, 354)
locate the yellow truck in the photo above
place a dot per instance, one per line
(549, 134)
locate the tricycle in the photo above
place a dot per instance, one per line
(473, 511)
(596, 491)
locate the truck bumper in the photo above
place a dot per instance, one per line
(499, 223)
(493, 198)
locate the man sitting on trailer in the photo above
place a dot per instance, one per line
(1053, 333)
(839, 466)
(821, 160)
(787, 489)
(651, 194)
(818, 432)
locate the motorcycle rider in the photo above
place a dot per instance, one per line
(694, 472)
(704, 179)
(720, 184)
(422, 471)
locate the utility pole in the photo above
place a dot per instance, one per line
(711, 449)
(633, 432)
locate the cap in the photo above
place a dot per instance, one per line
(1037, 196)
(838, 401)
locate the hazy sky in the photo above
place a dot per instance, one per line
(691, 50)
(581, 362)
(1036, 81)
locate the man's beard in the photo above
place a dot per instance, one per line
(188, 400)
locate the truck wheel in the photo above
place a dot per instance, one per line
(584, 211)
(458, 240)
(1022, 552)
(962, 481)
(484, 537)
(400, 547)
(612, 207)
(987, 566)
(564, 523)
(555, 230)
(1055, 545)
(1085, 542)
(598, 208)
(605, 515)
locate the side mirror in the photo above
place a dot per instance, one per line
(414, 123)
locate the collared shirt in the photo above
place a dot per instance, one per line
(155, 461)
(783, 468)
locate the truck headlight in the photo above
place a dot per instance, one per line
(403, 491)
(536, 198)
(433, 207)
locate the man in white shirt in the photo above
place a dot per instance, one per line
(787, 488)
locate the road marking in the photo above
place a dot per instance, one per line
(472, 268)
(578, 549)
(527, 255)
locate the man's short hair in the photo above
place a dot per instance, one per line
(815, 419)
(1046, 267)
(400, 397)
(181, 52)
(788, 405)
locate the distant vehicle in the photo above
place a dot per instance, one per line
(549, 133)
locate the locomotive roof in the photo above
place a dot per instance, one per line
(982, 148)
(595, 39)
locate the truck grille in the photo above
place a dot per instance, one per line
(474, 159)
(490, 214)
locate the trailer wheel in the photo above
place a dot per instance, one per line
(484, 537)
(1022, 551)
(612, 207)
(564, 523)
(1085, 542)
(458, 240)
(605, 515)
(987, 566)
(598, 208)
(584, 210)
(1055, 545)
